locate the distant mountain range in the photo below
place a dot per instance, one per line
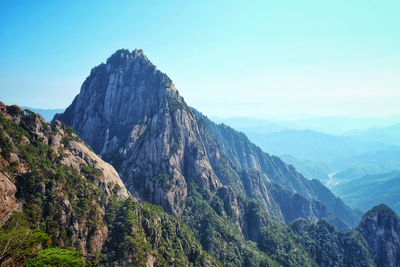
(371, 190)
(388, 134)
(340, 161)
(332, 125)
(47, 114)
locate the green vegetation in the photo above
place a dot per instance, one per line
(218, 233)
(63, 208)
(90, 171)
(163, 179)
(56, 257)
(330, 247)
(66, 215)
(18, 241)
(175, 104)
(139, 231)
(5, 144)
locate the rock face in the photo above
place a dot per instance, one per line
(52, 183)
(133, 116)
(24, 136)
(8, 201)
(245, 155)
(380, 227)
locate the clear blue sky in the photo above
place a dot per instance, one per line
(227, 58)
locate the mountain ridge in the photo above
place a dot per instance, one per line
(160, 119)
(168, 155)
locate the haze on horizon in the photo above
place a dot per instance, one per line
(262, 59)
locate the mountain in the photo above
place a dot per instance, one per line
(61, 203)
(347, 165)
(381, 229)
(245, 154)
(374, 242)
(317, 146)
(367, 164)
(133, 116)
(226, 200)
(371, 190)
(330, 247)
(332, 125)
(309, 168)
(385, 134)
(323, 157)
(47, 114)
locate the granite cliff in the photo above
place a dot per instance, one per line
(59, 201)
(381, 229)
(229, 203)
(133, 116)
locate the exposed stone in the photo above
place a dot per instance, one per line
(132, 114)
(8, 201)
(381, 229)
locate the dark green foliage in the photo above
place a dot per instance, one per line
(329, 247)
(66, 142)
(274, 239)
(90, 171)
(14, 110)
(127, 238)
(56, 257)
(219, 234)
(163, 179)
(139, 231)
(5, 145)
(234, 228)
(51, 192)
(18, 241)
(226, 172)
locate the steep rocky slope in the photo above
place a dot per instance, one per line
(132, 114)
(55, 191)
(63, 192)
(245, 154)
(381, 229)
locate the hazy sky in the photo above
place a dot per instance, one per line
(227, 58)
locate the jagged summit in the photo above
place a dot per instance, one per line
(210, 176)
(381, 211)
(132, 115)
(381, 229)
(125, 57)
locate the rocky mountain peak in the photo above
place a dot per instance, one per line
(123, 57)
(381, 217)
(132, 115)
(381, 229)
